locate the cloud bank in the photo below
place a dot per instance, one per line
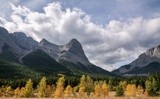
(106, 45)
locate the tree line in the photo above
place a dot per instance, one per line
(87, 87)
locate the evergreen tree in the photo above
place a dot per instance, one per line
(151, 86)
(119, 90)
(89, 86)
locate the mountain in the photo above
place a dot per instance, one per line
(147, 63)
(45, 57)
(71, 52)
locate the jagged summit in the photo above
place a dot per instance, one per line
(71, 52)
(154, 52)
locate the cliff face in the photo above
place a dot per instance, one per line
(145, 59)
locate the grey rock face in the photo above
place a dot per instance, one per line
(5, 37)
(71, 52)
(151, 55)
(21, 45)
(49, 48)
(24, 42)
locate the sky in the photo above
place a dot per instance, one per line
(112, 32)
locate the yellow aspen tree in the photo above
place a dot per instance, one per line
(131, 90)
(48, 91)
(42, 87)
(17, 92)
(22, 92)
(128, 88)
(82, 88)
(8, 91)
(82, 91)
(134, 89)
(97, 90)
(60, 87)
(139, 90)
(68, 91)
(28, 89)
(105, 89)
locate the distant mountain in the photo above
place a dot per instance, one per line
(147, 63)
(45, 57)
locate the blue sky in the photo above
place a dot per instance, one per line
(112, 32)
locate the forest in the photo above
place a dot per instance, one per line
(85, 86)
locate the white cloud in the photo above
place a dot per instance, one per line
(105, 45)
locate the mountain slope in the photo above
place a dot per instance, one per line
(12, 70)
(147, 63)
(41, 62)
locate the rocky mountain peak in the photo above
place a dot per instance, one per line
(149, 57)
(43, 41)
(74, 45)
(3, 30)
(24, 42)
(73, 52)
(154, 52)
(46, 43)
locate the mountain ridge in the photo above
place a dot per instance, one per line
(144, 61)
(32, 53)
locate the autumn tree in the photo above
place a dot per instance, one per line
(22, 92)
(140, 90)
(48, 91)
(59, 87)
(105, 89)
(68, 91)
(17, 92)
(82, 86)
(97, 90)
(42, 87)
(89, 85)
(130, 90)
(8, 91)
(28, 89)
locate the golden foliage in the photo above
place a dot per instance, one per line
(105, 89)
(28, 90)
(48, 91)
(97, 90)
(17, 92)
(42, 87)
(131, 90)
(59, 88)
(68, 91)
